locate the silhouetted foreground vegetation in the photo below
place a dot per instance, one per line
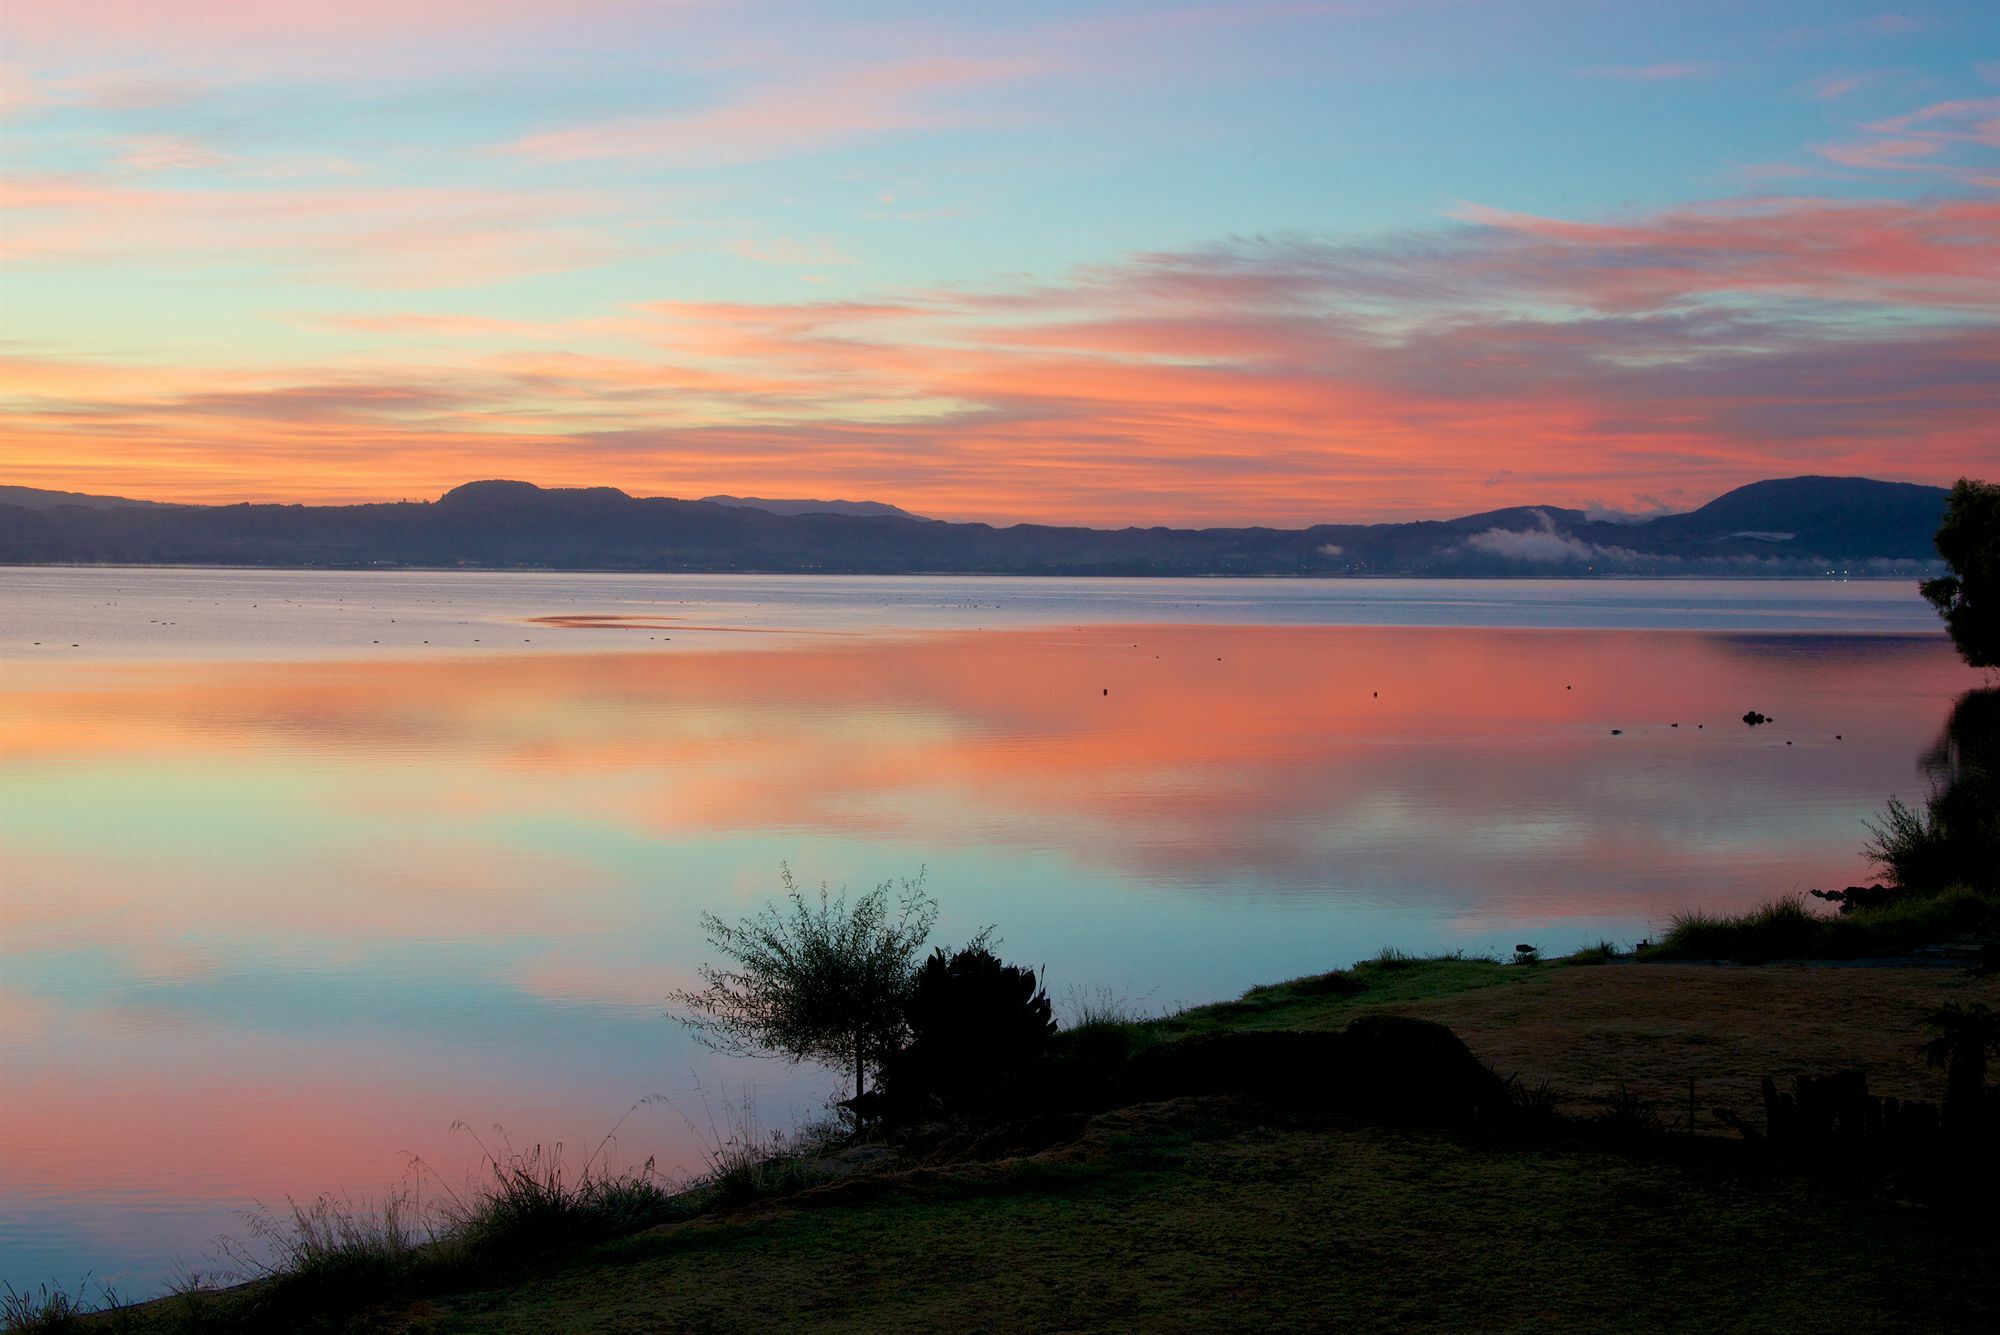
(1324, 1150)
(1940, 862)
(1969, 597)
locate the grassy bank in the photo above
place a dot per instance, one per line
(1790, 928)
(1217, 1213)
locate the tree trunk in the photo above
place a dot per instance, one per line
(857, 1069)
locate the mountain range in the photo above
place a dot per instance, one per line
(1788, 526)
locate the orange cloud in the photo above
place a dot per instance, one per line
(1267, 380)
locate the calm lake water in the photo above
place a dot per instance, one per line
(299, 869)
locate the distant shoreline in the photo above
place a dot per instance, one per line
(759, 573)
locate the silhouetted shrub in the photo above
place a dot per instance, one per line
(1287, 1066)
(1626, 1116)
(1969, 598)
(975, 1024)
(1954, 838)
(1404, 1069)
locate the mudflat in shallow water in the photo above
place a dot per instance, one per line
(282, 903)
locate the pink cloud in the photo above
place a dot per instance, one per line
(374, 235)
(1944, 254)
(1265, 380)
(1829, 87)
(1948, 139)
(779, 120)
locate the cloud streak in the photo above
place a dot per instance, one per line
(781, 120)
(1504, 359)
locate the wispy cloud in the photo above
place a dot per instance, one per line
(1507, 358)
(1955, 139)
(398, 236)
(1829, 87)
(785, 250)
(782, 119)
(167, 152)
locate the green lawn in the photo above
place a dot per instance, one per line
(1191, 1217)
(1204, 1214)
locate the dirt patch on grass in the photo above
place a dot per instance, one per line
(1652, 1027)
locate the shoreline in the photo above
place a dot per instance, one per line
(1598, 1033)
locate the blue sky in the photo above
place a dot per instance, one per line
(1101, 263)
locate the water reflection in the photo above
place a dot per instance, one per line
(265, 927)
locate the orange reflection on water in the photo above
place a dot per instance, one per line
(267, 924)
(1146, 748)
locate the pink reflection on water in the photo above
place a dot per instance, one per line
(268, 926)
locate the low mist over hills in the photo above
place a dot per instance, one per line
(1792, 526)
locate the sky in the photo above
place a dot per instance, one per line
(1276, 263)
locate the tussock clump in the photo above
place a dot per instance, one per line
(1786, 929)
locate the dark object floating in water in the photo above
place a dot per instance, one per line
(1107, 690)
(1753, 718)
(1673, 725)
(1836, 737)
(1617, 732)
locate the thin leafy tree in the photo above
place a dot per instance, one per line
(813, 977)
(1969, 597)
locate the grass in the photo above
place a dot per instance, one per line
(532, 1207)
(1604, 952)
(1330, 1000)
(1184, 1218)
(1786, 929)
(321, 1266)
(317, 1254)
(49, 1311)
(1206, 1214)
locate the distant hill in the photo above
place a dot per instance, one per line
(814, 507)
(1792, 526)
(35, 498)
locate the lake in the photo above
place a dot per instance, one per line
(300, 869)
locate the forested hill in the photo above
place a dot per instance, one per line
(1792, 526)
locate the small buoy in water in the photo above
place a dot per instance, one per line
(1836, 737)
(1673, 725)
(1617, 732)
(1107, 690)
(1376, 694)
